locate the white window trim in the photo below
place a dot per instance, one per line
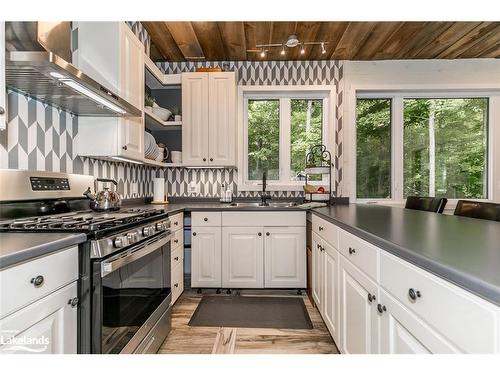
(397, 92)
(284, 92)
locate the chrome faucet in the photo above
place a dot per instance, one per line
(263, 195)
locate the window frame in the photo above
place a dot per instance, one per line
(397, 94)
(285, 94)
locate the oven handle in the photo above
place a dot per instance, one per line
(115, 263)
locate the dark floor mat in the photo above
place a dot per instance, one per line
(251, 312)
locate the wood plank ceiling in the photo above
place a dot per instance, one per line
(198, 41)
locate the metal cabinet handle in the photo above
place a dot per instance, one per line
(371, 297)
(176, 223)
(351, 251)
(73, 302)
(176, 241)
(176, 258)
(321, 228)
(381, 308)
(414, 294)
(176, 285)
(194, 233)
(2, 110)
(37, 281)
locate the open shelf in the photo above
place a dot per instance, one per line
(153, 122)
(161, 164)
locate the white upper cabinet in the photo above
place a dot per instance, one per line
(110, 53)
(242, 257)
(209, 125)
(285, 257)
(195, 118)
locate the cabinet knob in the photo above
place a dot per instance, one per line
(371, 297)
(211, 159)
(124, 147)
(176, 223)
(321, 228)
(351, 251)
(268, 234)
(176, 285)
(194, 233)
(260, 234)
(37, 281)
(204, 159)
(176, 258)
(2, 110)
(205, 219)
(73, 302)
(318, 246)
(381, 308)
(414, 294)
(176, 241)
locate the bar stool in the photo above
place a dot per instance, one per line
(478, 210)
(430, 204)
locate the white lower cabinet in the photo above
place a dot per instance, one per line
(330, 300)
(359, 317)
(317, 271)
(242, 257)
(206, 257)
(285, 257)
(402, 332)
(47, 326)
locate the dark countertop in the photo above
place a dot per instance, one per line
(461, 250)
(19, 247)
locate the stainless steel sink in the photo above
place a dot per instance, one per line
(258, 204)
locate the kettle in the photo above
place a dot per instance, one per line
(104, 200)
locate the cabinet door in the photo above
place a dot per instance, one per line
(330, 299)
(131, 130)
(359, 316)
(50, 324)
(206, 257)
(222, 121)
(177, 282)
(3, 101)
(195, 119)
(242, 257)
(317, 269)
(285, 257)
(403, 333)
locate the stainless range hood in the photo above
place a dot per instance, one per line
(38, 64)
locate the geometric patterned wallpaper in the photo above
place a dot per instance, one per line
(41, 137)
(261, 73)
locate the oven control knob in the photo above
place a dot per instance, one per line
(147, 231)
(160, 226)
(132, 237)
(120, 241)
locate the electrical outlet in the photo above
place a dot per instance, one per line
(135, 188)
(193, 188)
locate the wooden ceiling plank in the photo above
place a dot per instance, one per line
(485, 45)
(493, 52)
(185, 37)
(163, 40)
(444, 40)
(279, 34)
(331, 32)
(469, 40)
(257, 33)
(352, 39)
(422, 38)
(210, 40)
(306, 32)
(379, 35)
(233, 38)
(398, 40)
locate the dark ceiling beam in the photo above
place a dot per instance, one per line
(163, 41)
(186, 39)
(210, 40)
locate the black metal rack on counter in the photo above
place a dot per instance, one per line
(318, 162)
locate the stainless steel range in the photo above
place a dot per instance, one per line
(124, 281)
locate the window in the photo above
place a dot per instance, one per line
(280, 127)
(421, 145)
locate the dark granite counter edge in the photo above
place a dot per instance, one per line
(40, 250)
(470, 283)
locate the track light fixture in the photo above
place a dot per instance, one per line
(263, 53)
(302, 49)
(291, 42)
(323, 50)
(283, 51)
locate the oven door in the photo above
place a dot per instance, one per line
(131, 295)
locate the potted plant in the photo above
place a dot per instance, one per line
(176, 112)
(149, 101)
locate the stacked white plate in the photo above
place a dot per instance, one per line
(151, 149)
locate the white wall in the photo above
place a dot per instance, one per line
(442, 75)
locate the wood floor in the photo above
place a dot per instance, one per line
(184, 339)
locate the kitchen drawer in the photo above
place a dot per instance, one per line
(177, 282)
(468, 321)
(326, 230)
(17, 283)
(359, 252)
(206, 219)
(176, 257)
(176, 222)
(264, 219)
(177, 239)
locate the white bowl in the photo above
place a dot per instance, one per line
(162, 113)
